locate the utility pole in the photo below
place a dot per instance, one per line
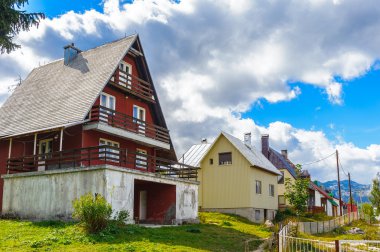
(351, 199)
(349, 184)
(340, 193)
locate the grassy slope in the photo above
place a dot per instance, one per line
(371, 233)
(218, 232)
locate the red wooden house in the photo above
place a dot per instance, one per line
(94, 112)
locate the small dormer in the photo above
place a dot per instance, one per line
(70, 53)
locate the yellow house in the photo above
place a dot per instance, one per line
(283, 164)
(235, 178)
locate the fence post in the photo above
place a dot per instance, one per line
(337, 247)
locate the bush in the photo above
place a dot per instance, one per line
(284, 215)
(121, 217)
(93, 211)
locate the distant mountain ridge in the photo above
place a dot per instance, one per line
(360, 192)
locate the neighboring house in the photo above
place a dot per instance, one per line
(235, 178)
(326, 201)
(92, 122)
(283, 164)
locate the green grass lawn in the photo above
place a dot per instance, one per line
(371, 233)
(217, 232)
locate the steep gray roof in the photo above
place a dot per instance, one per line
(56, 95)
(255, 157)
(285, 163)
(195, 154)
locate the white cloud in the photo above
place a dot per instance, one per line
(334, 91)
(211, 61)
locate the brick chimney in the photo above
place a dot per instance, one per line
(265, 145)
(284, 153)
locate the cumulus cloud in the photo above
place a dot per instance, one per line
(212, 60)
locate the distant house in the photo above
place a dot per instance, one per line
(235, 178)
(324, 200)
(92, 122)
(283, 164)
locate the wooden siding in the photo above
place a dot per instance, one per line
(233, 186)
(263, 200)
(281, 187)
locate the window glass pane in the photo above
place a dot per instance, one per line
(135, 112)
(281, 200)
(142, 114)
(103, 100)
(111, 102)
(225, 158)
(258, 187)
(121, 66)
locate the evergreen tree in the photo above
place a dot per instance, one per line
(375, 194)
(297, 192)
(13, 20)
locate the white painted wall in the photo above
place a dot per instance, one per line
(49, 194)
(329, 208)
(338, 207)
(318, 199)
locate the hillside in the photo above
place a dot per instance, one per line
(360, 192)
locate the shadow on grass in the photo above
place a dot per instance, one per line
(54, 223)
(217, 234)
(198, 236)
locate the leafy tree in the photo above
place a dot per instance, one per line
(375, 194)
(13, 20)
(297, 192)
(368, 211)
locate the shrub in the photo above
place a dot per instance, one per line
(93, 211)
(121, 217)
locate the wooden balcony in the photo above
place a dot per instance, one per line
(133, 84)
(128, 123)
(101, 155)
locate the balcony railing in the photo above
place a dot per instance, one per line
(133, 84)
(129, 123)
(100, 155)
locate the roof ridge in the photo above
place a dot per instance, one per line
(88, 50)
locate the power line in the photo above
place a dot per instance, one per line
(341, 166)
(319, 160)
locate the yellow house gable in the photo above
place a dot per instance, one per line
(228, 179)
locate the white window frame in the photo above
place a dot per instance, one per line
(114, 144)
(261, 187)
(46, 141)
(124, 80)
(107, 105)
(138, 110)
(271, 190)
(142, 164)
(138, 121)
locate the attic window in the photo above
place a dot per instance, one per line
(211, 161)
(225, 158)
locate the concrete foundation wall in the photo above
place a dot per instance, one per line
(49, 194)
(253, 214)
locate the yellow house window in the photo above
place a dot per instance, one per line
(271, 190)
(225, 158)
(281, 200)
(258, 187)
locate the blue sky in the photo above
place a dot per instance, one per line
(356, 120)
(56, 8)
(304, 71)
